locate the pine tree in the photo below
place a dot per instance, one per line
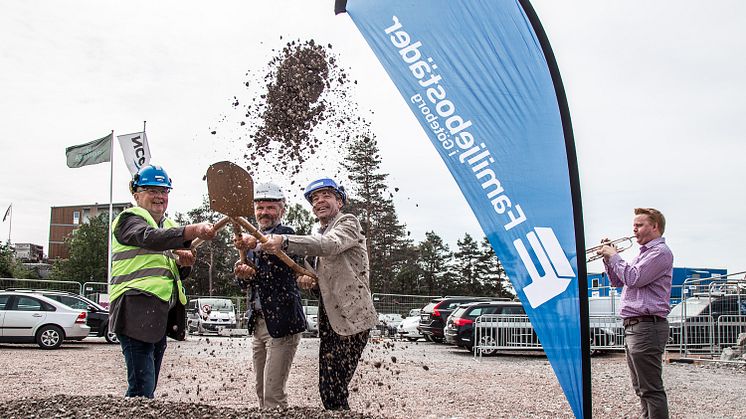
(491, 272)
(371, 202)
(435, 264)
(466, 261)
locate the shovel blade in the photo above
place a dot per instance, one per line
(231, 189)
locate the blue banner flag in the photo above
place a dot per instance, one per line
(482, 81)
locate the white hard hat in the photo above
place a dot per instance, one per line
(268, 192)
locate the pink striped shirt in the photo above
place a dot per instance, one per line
(646, 281)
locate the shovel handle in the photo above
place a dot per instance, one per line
(241, 252)
(282, 255)
(217, 226)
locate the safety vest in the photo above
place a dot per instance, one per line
(151, 271)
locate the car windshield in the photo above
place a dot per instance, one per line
(312, 310)
(691, 306)
(217, 304)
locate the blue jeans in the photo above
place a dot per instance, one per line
(143, 362)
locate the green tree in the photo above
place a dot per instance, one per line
(299, 218)
(371, 202)
(434, 264)
(212, 273)
(89, 253)
(10, 267)
(491, 272)
(466, 263)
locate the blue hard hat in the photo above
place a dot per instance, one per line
(150, 175)
(325, 183)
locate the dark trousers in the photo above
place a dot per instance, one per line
(645, 343)
(338, 358)
(143, 362)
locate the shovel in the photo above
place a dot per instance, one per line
(231, 192)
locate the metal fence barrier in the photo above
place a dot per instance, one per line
(400, 303)
(41, 284)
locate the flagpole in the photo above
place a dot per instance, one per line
(10, 225)
(111, 204)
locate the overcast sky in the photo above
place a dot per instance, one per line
(656, 90)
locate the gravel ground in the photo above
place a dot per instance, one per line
(212, 377)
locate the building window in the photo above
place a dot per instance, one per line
(86, 215)
(76, 217)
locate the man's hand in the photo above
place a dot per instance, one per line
(185, 257)
(243, 270)
(306, 282)
(607, 250)
(244, 242)
(273, 243)
(203, 231)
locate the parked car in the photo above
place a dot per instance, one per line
(28, 317)
(98, 316)
(459, 329)
(700, 322)
(210, 315)
(434, 315)
(388, 323)
(408, 328)
(312, 318)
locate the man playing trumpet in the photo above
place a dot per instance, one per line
(645, 304)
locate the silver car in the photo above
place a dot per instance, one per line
(28, 317)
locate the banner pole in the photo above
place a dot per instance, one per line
(10, 225)
(111, 205)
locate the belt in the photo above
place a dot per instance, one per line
(630, 321)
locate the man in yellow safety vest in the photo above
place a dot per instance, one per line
(150, 256)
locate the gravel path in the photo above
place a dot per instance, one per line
(212, 377)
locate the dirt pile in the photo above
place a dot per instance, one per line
(62, 406)
(296, 113)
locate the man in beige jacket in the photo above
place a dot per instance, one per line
(346, 313)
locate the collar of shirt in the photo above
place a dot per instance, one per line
(271, 229)
(652, 243)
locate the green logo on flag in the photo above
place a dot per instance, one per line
(95, 152)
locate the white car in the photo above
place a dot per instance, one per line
(312, 318)
(408, 328)
(210, 315)
(28, 317)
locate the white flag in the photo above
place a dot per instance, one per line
(135, 150)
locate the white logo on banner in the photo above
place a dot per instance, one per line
(135, 150)
(558, 272)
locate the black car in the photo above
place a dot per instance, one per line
(98, 317)
(459, 330)
(434, 315)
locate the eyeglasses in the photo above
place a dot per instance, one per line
(155, 191)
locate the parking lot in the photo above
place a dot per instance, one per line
(395, 379)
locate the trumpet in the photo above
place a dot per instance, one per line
(621, 245)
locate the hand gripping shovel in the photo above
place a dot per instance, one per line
(231, 192)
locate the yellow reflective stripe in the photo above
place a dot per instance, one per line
(142, 273)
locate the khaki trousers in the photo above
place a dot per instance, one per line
(272, 359)
(645, 343)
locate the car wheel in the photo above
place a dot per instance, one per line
(49, 337)
(412, 339)
(111, 337)
(428, 338)
(437, 339)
